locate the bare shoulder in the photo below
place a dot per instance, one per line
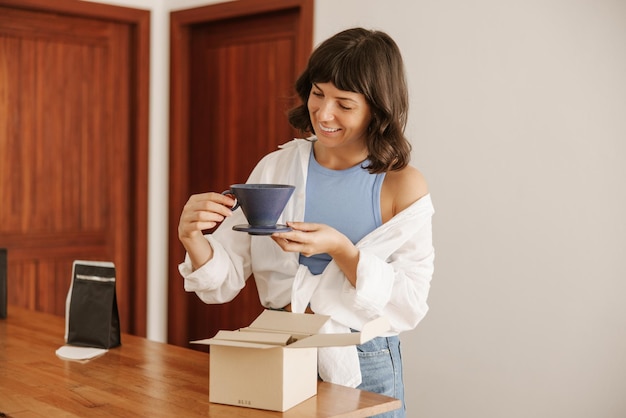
(401, 189)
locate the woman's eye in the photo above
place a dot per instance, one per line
(344, 107)
(317, 94)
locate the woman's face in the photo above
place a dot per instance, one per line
(338, 117)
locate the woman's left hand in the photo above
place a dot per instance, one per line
(311, 238)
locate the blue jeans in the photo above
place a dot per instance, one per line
(381, 369)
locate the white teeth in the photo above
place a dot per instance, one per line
(329, 130)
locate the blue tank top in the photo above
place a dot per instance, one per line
(347, 200)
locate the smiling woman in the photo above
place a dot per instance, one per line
(370, 64)
(341, 119)
(360, 244)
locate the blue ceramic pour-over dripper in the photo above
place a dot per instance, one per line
(261, 204)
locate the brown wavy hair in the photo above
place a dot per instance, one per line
(367, 62)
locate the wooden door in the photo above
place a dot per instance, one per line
(233, 69)
(73, 149)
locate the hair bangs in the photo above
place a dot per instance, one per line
(347, 71)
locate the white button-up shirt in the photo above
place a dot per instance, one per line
(393, 273)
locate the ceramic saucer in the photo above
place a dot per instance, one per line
(252, 230)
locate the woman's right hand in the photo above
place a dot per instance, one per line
(201, 212)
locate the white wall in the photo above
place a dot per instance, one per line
(518, 120)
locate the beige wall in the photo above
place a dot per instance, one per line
(518, 120)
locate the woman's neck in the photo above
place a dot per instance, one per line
(339, 158)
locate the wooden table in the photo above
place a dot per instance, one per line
(139, 379)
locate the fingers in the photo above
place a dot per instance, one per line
(304, 238)
(296, 236)
(293, 245)
(211, 201)
(311, 238)
(304, 226)
(203, 211)
(285, 244)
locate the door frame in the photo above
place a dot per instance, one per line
(181, 22)
(139, 22)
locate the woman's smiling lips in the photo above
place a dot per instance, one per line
(328, 130)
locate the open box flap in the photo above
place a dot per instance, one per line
(289, 323)
(370, 330)
(275, 334)
(229, 343)
(255, 337)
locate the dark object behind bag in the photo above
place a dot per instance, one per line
(3, 283)
(93, 319)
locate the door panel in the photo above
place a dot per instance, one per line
(232, 84)
(239, 110)
(68, 153)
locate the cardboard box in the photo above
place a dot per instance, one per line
(272, 364)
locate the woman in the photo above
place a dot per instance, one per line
(361, 240)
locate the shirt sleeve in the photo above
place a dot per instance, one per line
(221, 278)
(394, 272)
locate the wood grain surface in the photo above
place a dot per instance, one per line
(141, 378)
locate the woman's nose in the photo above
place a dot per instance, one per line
(325, 112)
